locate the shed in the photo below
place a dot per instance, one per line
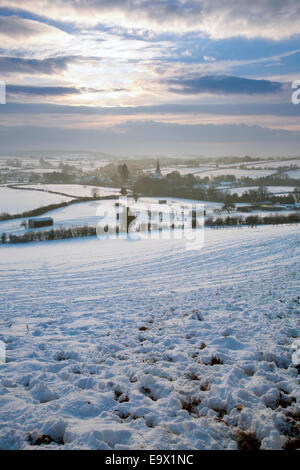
(40, 222)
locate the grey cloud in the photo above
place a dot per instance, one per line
(41, 90)
(222, 84)
(13, 90)
(18, 28)
(267, 18)
(162, 132)
(242, 109)
(35, 66)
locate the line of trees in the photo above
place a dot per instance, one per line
(46, 235)
(253, 220)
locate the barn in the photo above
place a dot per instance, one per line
(40, 222)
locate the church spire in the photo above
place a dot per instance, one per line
(158, 172)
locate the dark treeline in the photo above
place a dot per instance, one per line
(253, 220)
(191, 187)
(87, 231)
(46, 235)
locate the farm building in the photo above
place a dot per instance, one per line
(40, 222)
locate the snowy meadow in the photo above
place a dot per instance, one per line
(135, 345)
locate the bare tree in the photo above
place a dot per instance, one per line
(95, 192)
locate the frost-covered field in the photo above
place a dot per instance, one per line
(271, 189)
(236, 172)
(211, 172)
(78, 214)
(77, 190)
(274, 164)
(13, 201)
(90, 213)
(110, 344)
(186, 170)
(293, 174)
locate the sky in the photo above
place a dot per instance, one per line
(136, 77)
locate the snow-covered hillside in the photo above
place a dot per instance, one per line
(77, 190)
(293, 174)
(14, 201)
(278, 190)
(238, 173)
(89, 213)
(133, 345)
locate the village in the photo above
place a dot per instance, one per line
(274, 199)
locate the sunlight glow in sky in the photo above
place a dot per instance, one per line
(116, 66)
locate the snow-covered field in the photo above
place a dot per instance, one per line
(110, 344)
(293, 174)
(274, 164)
(13, 201)
(211, 172)
(92, 213)
(78, 214)
(186, 170)
(280, 190)
(238, 173)
(39, 170)
(76, 190)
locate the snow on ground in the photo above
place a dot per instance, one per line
(183, 170)
(75, 215)
(13, 201)
(274, 164)
(27, 170)
(76, 190)
(293, 174)
(211, 172)
(208, 205)
(110, 344)
(38, 170)
(271, 189)
(89, 213)
(238, 173)
(92, 213)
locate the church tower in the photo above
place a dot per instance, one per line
(157, 171)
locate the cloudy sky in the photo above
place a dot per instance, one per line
(141, 77)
